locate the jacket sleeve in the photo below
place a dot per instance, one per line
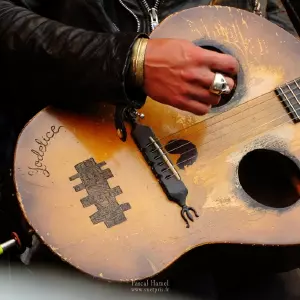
(277, 14)
(44, 59)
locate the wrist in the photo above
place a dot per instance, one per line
(138, 61)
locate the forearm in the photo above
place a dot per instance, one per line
(42, 55)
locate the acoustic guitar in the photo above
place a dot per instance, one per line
(125, 210)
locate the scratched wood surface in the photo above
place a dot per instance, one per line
(154, 235)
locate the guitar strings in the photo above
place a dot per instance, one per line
(262, 102)
(246, 103)
(270, 92)
(212, 132)
(210, 125)
(233, 123)
(290, 119)
(251, 115)
(197, 123)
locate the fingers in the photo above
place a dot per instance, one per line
(199, 87)
(217, 62)
(205, 77)
(194, 107)
(230, 82)
(223, 63)
(202, 95)
(180, 74)
(209, 79)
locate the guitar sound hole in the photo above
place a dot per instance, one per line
(270, 178)
(227, 97)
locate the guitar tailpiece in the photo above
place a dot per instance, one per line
(186, 210)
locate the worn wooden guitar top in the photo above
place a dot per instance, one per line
(94, 200)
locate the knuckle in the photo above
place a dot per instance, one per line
(189, 55)
(198, 55)
(181, 105)
(213, 99)
(232, 65)
(177, 100)
(182, 92)
(188, 75)
(204, 110)
(207, 79)
(210, 99)
(201, 112)
(230, 82)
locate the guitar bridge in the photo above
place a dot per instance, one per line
(165, 158)
(161, 166)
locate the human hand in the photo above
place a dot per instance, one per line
(179, 74)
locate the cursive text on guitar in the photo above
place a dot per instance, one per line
(42, 144)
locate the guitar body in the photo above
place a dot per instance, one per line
(95, 202)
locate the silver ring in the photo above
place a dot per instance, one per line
(219, 85)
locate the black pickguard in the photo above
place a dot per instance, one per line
(187, 150)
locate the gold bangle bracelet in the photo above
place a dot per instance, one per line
(141, 62)
(134, 56)
(138, 57)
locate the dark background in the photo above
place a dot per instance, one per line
(293, 8)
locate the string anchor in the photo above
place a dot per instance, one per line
(122, 114)
(186, 211)
(137, 114)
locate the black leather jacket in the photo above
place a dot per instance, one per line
(56, 51)
(78, 50)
